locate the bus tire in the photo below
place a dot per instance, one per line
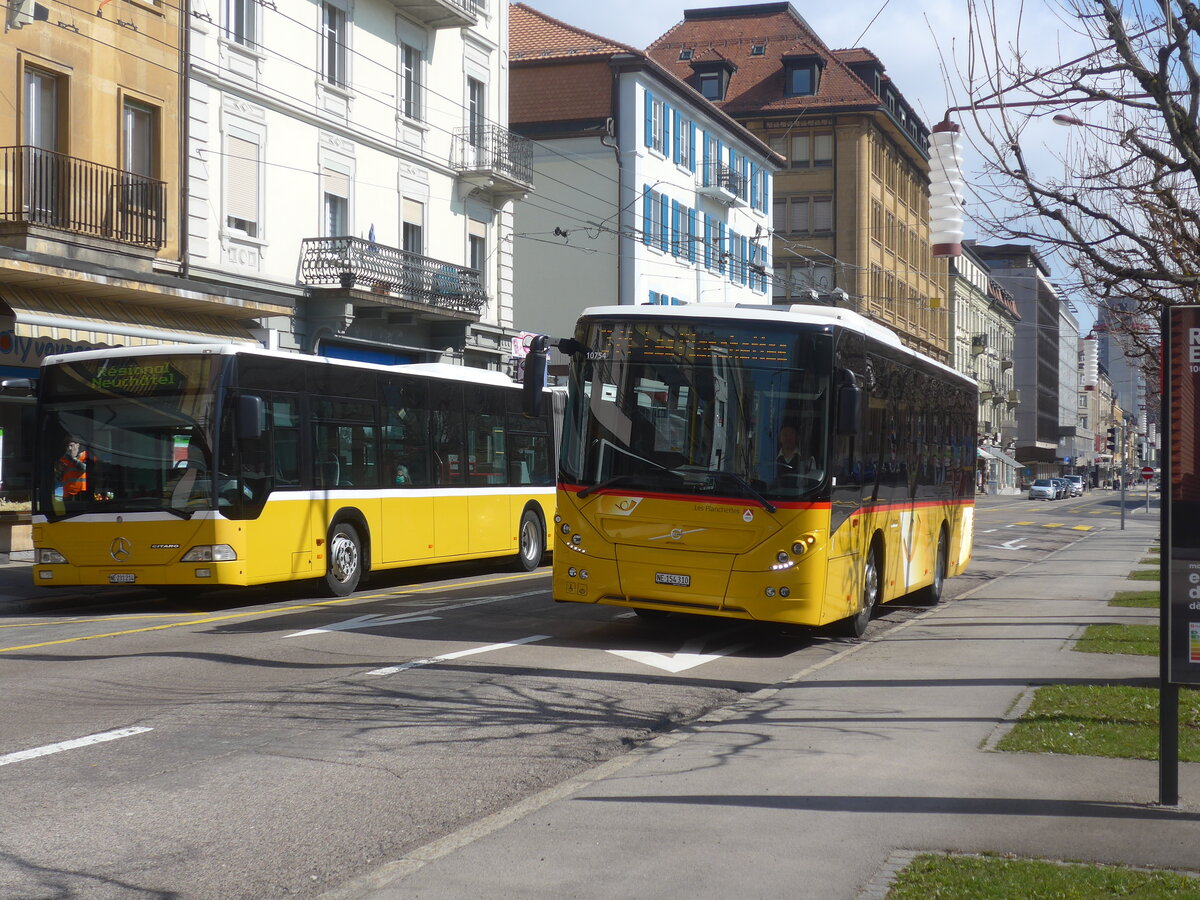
(855, 626)
(933, 594)
(345, 566)
(531, 542)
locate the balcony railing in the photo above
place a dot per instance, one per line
(496, 151)
(41, 187)
(724, 183)
(443, 13)
(353, 263)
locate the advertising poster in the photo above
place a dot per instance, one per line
(1181, 497)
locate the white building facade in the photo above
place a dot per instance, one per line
(647, 193)
(353, 156)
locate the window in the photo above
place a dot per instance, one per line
(710, 86)
(822, 145)
(242, 185)
(333, 45)
(477, 248)
(412, 231)
(41, 109)
(476, 111)
(758, 49)
(685, 54)
(683, 143)
(656, 123)
(410, 82)
(241, 22)
(139, 139)
(335, 191)
(801, 80)
(806, 215)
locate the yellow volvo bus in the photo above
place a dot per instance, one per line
(208, 465)
(784, 464)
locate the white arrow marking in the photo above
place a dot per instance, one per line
(1008, 545)
(369, 621)
(686, 658)
(457, 654)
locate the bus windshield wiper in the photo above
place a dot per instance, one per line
(744, 485)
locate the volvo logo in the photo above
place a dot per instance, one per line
(120, 549)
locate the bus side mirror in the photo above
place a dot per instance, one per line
(849, 399)
(251, 415)
(533, 380)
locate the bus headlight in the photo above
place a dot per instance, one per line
(48, 557)
(804, 544)
(210, 553)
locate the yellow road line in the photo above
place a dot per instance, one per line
(1022, 523)
(257, 612)
(1081, 527)
(1052, 525)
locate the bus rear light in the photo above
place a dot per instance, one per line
(210, 553)
(45, 575)
(49, 557)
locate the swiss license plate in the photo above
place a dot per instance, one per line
(668, 578)
(122, 578)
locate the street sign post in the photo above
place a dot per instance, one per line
(1147, 473)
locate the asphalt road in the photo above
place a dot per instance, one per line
(267, 743)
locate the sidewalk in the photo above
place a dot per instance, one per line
(819, 787)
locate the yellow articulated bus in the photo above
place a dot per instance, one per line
(783, 464)
(203, 466)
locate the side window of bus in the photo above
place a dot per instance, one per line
(486, 457)
(345, 446)
(446, 433)
(529, 459)
(285, 425)
(405, 433)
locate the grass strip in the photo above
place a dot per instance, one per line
(1143, 575)
(936, 876)
(1138, 640)
(1141, 599)
(1116, 721)
(1150, 561)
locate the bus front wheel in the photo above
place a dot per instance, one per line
(856, 625)
(531, 542)
(345, 560)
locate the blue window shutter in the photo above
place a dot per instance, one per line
(691, 235)
(721, 247)
(647, 214)
(675, 240)
(754, 185)
(675, 135)
(708, 170)
(664, 223)
(649, 127)
(707, 241)
(692, 155)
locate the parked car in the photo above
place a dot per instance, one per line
(1063, 491)
(1075, 483)
(1043, 489)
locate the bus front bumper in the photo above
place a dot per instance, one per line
(181, 574)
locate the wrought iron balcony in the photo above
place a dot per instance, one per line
(352, 263)
(494, 158)
(724, 184)
(41, 187)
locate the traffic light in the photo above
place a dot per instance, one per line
(1112, 440)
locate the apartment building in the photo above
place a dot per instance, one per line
(850, 208)
(352, 160)
(647, 192)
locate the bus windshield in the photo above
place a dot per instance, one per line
(128, 435)
(700, 408)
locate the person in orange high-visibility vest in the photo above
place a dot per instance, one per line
(71, 470)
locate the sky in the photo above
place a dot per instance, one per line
(923, 45)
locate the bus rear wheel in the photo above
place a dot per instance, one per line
(933, 594)
(856, 625)
(531, 542)
(345, 560)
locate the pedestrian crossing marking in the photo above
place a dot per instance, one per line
(1053, 525)
(1022, 523)
(1081, 527)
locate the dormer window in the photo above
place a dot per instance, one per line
(711, 78)
(758, 49)
(802, 75)
(685, 54)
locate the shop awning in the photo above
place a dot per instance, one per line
(1006, 460)
(44, 322)
(983, 454)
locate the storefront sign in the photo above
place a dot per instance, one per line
(28, 352)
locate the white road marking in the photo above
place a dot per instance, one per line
(686, 658)
(368, 621)
(74, 744)
(457, 654)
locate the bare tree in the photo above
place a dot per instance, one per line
(1119, 203)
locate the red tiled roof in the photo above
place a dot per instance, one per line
(757, 85)
(534, 35)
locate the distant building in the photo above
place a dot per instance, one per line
(647, 193)
(851, 208)
(983, 317)
(1036, 353)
